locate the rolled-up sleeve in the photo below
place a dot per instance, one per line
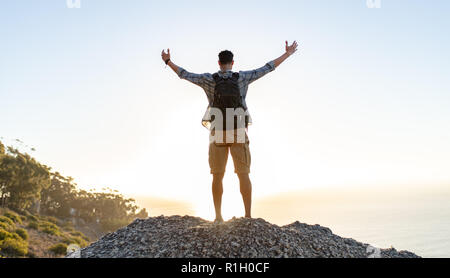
(252, 75)
(201, 80)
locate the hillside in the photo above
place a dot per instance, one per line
(35, 236)
(43, 212)
(193, 237)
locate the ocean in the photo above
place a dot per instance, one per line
(417, 220)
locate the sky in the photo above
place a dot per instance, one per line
(364, 102)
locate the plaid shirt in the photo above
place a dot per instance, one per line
(207, 83)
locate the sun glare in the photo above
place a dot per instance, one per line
(232, 204)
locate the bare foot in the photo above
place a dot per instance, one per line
(218, 220)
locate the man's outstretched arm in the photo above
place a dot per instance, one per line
(252, 75)
(166, 56)
(204, 80)
(290, 49)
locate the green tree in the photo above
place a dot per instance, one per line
(2, 149)
(84, 205)
(24, 181)
(21, 179)
(6, 175)
(110, 205)
(58, 198)
(109, 209)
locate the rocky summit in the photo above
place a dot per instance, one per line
(193, 237)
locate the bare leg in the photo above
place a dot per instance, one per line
(246, 191)
(217, 190)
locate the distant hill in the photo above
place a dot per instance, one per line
(193, 237)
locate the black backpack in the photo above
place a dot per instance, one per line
(228, 95)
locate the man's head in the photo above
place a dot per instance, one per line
(226, 60)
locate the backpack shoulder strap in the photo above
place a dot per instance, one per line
(216, 77)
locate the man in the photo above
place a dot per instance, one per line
(227, 90)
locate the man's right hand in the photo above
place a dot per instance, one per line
(290, 49)
(165, 55)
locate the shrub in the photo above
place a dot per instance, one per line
(51, 231)
(79, 234)
(51, 219)
(14, 246)
(69, 229)
(4, 234)
(50, 228)
(13, 216)
(5, 226)
(22, 233)
(76, 233)
(32, 218)
(75, 240)
(59, 249)
(6, 220)
(33, 225)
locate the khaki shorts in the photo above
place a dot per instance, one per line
(240, 152)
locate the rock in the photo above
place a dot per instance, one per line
(193, 237)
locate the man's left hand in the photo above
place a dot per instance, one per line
(165, 55)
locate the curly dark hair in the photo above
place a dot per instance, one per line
(226, 57)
